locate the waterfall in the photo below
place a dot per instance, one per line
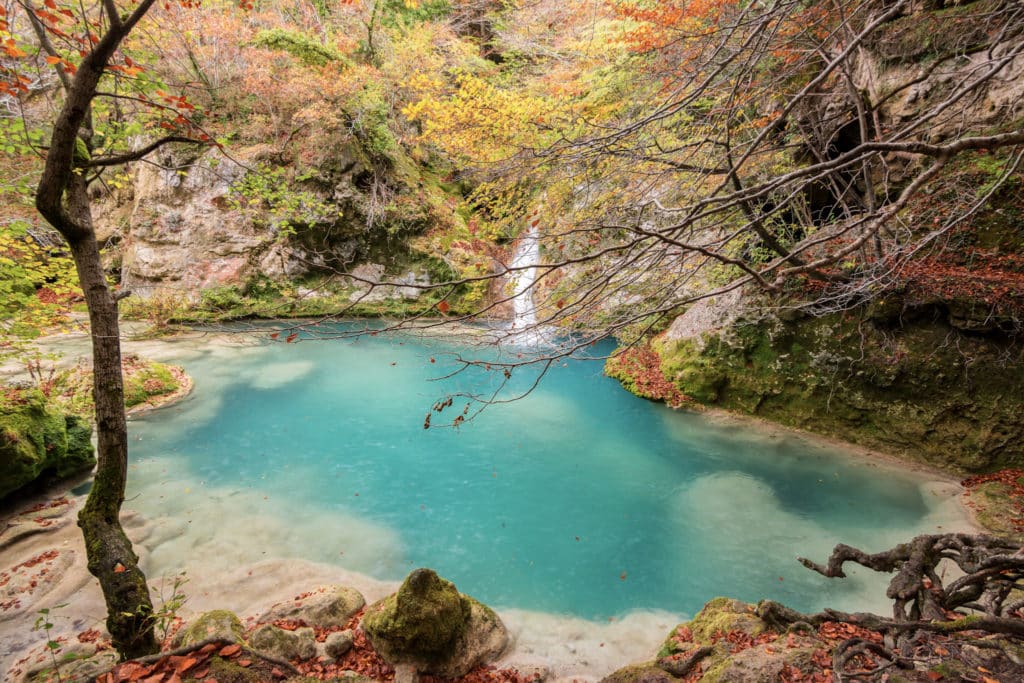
(524, 312)
(523, 331)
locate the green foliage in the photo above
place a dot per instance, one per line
(269, 197)
(18, 139)
(300, 46)
(170, 599)
(37, 284)
(398, 12)
(370, 114)
(161, 311)
(44, 624)
(221, 298)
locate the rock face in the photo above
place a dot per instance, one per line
(917, 386)
(179, 231)
(429, 625)
(36, 439)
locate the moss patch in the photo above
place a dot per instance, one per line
(37, 438)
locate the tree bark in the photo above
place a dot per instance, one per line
(63, 200)
(109, 552)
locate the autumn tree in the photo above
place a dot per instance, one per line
(820, 152)
(109, 110)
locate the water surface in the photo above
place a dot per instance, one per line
(578, 499)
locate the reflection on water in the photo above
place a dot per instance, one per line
(577, 499)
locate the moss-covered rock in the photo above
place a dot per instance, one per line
(36, 438)
(430, 625)
(218, 624)
(277, 642)
(914, 385)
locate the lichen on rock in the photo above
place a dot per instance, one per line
(217, 624)
(277, 642)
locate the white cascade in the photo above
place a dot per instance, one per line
(524, 331)
(524, 274)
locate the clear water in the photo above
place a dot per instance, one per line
(578, 499)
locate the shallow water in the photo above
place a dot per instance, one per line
(578, 499)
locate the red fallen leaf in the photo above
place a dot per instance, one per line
(244, 662)
(292, 337)
(207, 649)
(534, 223)
(444, 306)
(230, 650)
(432, 360)
(185, 664)
(119, 568)
(201, 674)
(622, 576)
(933, 675)
(277, 673)
(560, 303)
(275, 335)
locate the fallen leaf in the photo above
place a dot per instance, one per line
(230, 650)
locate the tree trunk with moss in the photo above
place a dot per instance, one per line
(62, 198)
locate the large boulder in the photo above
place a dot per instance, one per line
(432, 627)
(37, 439)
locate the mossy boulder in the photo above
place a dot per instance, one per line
(218, 624)
(277, 642)
(429, 625)
(36, 438)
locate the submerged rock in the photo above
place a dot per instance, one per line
(430, 625)
(219, 624)
(328, 607)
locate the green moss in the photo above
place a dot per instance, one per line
(150, 380)
(423, 620)
(34, 440)
(226, 671)
(722, 615)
